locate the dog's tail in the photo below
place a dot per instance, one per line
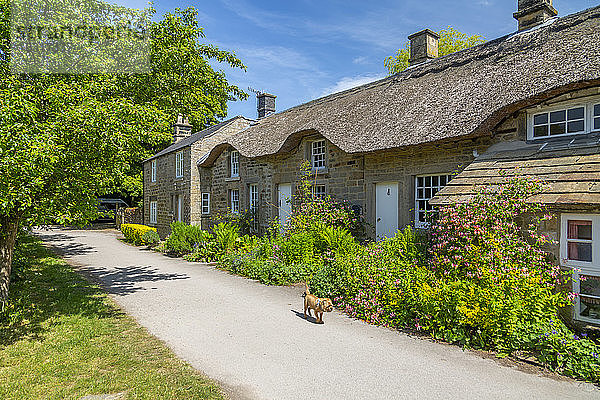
(306, 292)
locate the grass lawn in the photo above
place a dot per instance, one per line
(64, 338)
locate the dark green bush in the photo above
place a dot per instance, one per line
(150, 238)
(184, 238)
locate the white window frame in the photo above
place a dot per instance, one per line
(179, 164)
(153, 212)
(595, 116)
(253, 203)
(234, 164)
(205, 203)
(588, 105)
(433, 190)
(234, 201)
(319, 191)
(318, 159)
(581, 267)
(153, 171)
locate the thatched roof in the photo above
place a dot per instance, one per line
(203, 135)
(569, 168)
(462, 94)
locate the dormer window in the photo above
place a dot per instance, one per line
(318, 151)
(573, 118)
(234, 164)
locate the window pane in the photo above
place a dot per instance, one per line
(581, 230)
(428, 181)
(435, 181)
(558, 116)
(557, 129)
(579, 251)
(420, 181)
(443, 180)
(428, 193)
(589, 307)
(540, 119)
(575, 113)
(420, 193)
(589, 285)
(575, 126)
(596, 123)
(540, 131)
(597, 110)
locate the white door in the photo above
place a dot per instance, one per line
(386, 213)
(284, 201)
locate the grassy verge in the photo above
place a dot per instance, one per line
(63, 338)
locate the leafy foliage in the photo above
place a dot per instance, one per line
(311, 212)
(65, 139)
(184, 238)
(151, 238)
(450, 42)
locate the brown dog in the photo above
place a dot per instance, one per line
(315, 303)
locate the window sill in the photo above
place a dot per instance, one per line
(232, 179)
(320, 171)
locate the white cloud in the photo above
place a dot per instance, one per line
(350, 82)
(360, 60)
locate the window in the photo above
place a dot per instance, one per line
(153, 171)
(426, 187)
(254, 206)
(234, 201)
(205, 203)
(318, 154)
(559, 122)
(319, 192)
(234, 166)
(153, 212)
(573, 118)
(179, 164)
(580, 249)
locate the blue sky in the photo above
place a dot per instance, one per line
(304, 49)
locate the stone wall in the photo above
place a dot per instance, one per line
(165, 189)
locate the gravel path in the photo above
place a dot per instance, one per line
(254, 341)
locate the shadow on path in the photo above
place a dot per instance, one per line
(125, 280)
(65, 244)
(310, 318)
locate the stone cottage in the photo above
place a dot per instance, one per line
(171, 185)
(429, 135)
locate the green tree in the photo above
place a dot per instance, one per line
(450, 42)
(65, 138)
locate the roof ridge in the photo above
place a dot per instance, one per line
(433, 66)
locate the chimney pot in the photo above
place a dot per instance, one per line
(424, 45)
(534, 12)
(266, 104)
(181, 129)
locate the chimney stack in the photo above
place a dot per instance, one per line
(181, 129)
(423, 46)
(534, 12)
(266, 104)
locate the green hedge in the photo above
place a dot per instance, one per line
(133, 232)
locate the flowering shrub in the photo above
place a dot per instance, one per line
(133, 232)
(486, 282)
(310, 210)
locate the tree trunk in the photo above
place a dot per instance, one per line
(8, 235)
